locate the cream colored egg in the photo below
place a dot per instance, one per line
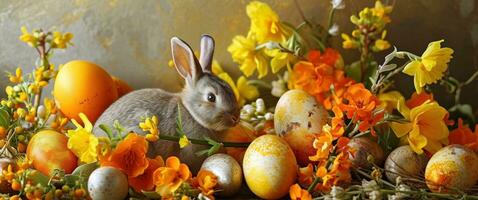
(454, 166)
(297, 117)
(405, 163)
(107, 183)
(228, 173)
(269, 167)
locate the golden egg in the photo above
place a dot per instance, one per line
(297, 118)
(270, 167)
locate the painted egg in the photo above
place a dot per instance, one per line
(365, 147)
(297, 118)
(48, 151)
(84, 87)
(454, 166)
(228, 173)
(107, 183)
(270, 167)
(242, 132)
(404, 162)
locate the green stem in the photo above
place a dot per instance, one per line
(314, 183)
(329, 25)
(204, 142)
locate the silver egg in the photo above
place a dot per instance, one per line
(228, 172)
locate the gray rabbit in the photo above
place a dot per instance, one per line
(207, 105)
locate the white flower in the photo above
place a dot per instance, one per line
(334, 30)
(269, 116)
(278, 88)
(336, 193)
(260, 105)
(337, 4)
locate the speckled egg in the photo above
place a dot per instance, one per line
(270, 167)
(297, 118)
(228, 173)
(454, 166)
(365, 147)
(107, 183)
(405, 163)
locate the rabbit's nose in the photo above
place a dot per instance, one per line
(234, 119)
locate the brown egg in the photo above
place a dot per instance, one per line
(405, 163)
(365, 147)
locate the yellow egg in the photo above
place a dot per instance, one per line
(269, 167)
(297, 118)
(454, 167)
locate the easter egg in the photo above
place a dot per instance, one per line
(228, 173)
(365, 147)
(242, 132)
(269, 167)
(107, 183)
(48, 151)
(297, 118)
(454, 166)
(121, 86)
(404, 162)
(84, 87)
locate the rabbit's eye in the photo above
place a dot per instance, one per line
(211, 97)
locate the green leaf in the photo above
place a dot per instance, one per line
(386, 137)
(107, 130)
(151, 195)
(85, 170)
(214, 149)
(4, 118)
(202, 152)
(463, 110)
(353, 71)
(38, 177)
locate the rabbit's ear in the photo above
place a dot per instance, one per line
(207, 51)
(185, 61)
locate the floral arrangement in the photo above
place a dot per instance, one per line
(329, 126)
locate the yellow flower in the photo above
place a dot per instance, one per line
(50, 107)
(265, 23)
(17, 77)
(390, 100)
(82, 142)
(430, 67)
(381, 44)
(242, 90)
(216, 67)
(61, 40)
(279, 59)
(381, 11)
(426, 129)
(184, 141)
(243, 51)
(348, 42)
(28, 37)
(151, 125)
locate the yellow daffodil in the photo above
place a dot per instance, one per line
(243, 51)
(242, 90)
(17, 77)
(390, 100)
(216, 67)
(82, 142)
(28, 37)
(426, 128)
(184, 141)
(430, 67)
(348, 42)
(279, 59)
(61, 40)
(150, 125)
(265, 23)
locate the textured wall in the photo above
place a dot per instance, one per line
(130, 38)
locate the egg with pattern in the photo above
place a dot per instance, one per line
(297, 117)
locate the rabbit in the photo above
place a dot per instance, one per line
(207, 104)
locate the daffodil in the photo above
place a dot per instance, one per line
(28, 37)
(429, 68)
(242, 90)
(390, 100)
(61, 40)
(243, 51)
(17, 77)
(184, 141)
(265, 23)
(279, 59)
(82, 142)
(426, 128)
(151, 126)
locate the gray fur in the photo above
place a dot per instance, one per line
(200, 118)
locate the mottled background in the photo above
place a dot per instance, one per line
(130, 38)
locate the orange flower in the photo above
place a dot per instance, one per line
(330, 57)
(144, 182)
(206, 181)
(297, 193)
(338, 124)
(170, 177)
(464, 136)
(323, 145)
(129, 156)
(306, 174)
(341, 169)
(418, 99)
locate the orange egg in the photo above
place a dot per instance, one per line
(84, 87)
(121, 86)
(48, 151)
(242, 132)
